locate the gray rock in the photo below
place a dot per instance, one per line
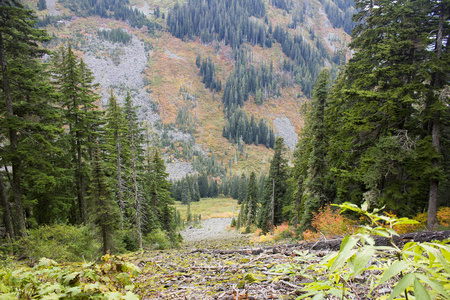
(286, 131)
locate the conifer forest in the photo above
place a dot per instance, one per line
(224, 149)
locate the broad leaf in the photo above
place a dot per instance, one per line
(362, 259)
(419, 291)
(393, 270)
(435, 285)
(402, 285)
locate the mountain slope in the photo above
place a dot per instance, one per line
(160, 70)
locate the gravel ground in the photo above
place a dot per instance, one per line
(286, 131)
(51, 6)
(211, 229)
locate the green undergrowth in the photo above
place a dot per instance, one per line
(416, 271)
(359, 270)
(110, 278)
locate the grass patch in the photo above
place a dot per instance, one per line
(210, 208)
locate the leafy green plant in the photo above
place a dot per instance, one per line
(417, 271)
(59, 242)
(158, 240)
(109, 279)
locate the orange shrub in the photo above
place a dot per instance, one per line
(311, 236)
(279, 232)
(330, 223)
(405, 228)
(443, 216)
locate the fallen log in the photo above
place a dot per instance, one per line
(334, 244)
(399, 241)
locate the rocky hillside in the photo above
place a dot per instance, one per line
(160, 71)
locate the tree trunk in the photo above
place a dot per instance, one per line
(6, 210)
(13, 139)
(81, 189)
(135, 189)
(435, 132)
(119, 182)
(273, 207)
(105, 240)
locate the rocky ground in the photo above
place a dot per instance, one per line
(285, 129)
(51, 6)
(211, 230)
(215, 263)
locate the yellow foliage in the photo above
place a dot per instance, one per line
(279, 232)
(443, 216)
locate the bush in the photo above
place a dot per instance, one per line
(110, 278)
(415, 271)
(129, 241)
(280, 232)
(158, 240)
(443, 216)
(59, 242)
(328, 223)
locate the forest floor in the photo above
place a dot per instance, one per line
(214, 263)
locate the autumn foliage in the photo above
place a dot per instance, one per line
(280, 232)
(443, 216)
(328, 223)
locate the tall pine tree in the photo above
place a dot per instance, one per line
(78, 99)
(135, 139)
(252, 199)
(312, 170)
(104, 212)
(274, 199)
(159, 199)
(117, 149)
(29, 119)
(385, 109)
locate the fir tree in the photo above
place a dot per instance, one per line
(78, 98)
(25, 102)
(252, 199)
(311, 156)
(42, 5)
(271, 212)
(159, 200)
(104, 212)
(242, 192)
(134, 136)
(115, 145)
(385, 109)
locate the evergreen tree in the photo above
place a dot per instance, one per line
(115, 129)
(311, 156)
(29, 118)
(385, 110)
(271, 212)
(116, 147)
(203, 185)
(42, 5)
(104, 212)
(159, 200)
(185, 194)
(242, 192)
(134, 137)
(252, 199)
(78, 99)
